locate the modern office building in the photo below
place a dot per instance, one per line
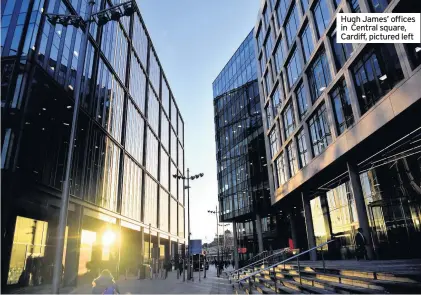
(243, 188)
(130, 140)
(342, 129)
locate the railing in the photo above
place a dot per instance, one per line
(297, 256)
(258, 256)
(280, 252)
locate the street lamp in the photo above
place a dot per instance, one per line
(101, 18)
(223, 231)
(188, 177)
(217, 233)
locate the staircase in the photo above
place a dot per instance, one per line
(294, 277)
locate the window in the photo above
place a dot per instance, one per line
(260, 38)
(355, 6)
(292, 160)
(414, 53)
(302, 149)
(378, 5)
(132, 189)
(266, 17)
(274, 142)
(173, 216)
(281, 170)
(301, 94)
(152, 154)
(163, 210)
(165, 96)
(154, 71)
(337, 2)
(319, 76)
(341, 51)
(153, 110)
(342, 107)
(269, 44)
(262, 64)
(321, 16)
(137, 84)
(279, 56)
(269, 115)
(319, 130)
(164, 173)
(276, 101)
(292, 25)
(140, 40)
(281, 11)
(294, 68)
(268, 83)
(289, 121)
(134, 133)
(307, 42)
(304, 4)
(165, 132)
(375, 74)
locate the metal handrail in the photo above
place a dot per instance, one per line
(255, 257)
(263, 259)
(288, 259)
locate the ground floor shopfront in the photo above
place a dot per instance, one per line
(376, 187)
(94, 240)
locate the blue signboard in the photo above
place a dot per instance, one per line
(195, 246)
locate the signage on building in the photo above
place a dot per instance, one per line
(195, 246)
(242, 250)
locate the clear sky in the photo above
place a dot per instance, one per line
(194, 40)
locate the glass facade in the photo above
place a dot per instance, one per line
(129, 124)
(242, 173)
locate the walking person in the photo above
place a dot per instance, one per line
(105, 284)
(360, 242)
(180, 266)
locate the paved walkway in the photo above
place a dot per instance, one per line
(209, 285)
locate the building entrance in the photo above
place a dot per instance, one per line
(396, 228)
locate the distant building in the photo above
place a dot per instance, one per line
(243, 187)
(342, 130)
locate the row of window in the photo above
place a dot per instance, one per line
(58, 53)
(373, 76)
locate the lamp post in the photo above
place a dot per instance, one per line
(217, 234)
(223, 231)
(113, 13)
(197, 176)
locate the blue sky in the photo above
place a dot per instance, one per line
(194, 40)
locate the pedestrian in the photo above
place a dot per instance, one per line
(360, 242)
(220, 267)
(180, 266)
(233, 263)
(105, 284)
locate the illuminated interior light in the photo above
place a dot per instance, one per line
(384, 77)
(67, 124)
(417, 49)
(322, 88)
